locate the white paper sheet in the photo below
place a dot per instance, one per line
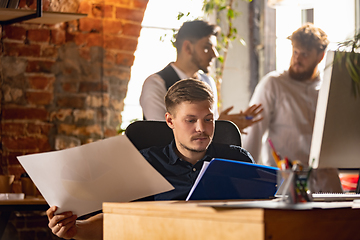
(80, 179)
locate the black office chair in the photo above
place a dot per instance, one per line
(144, 134)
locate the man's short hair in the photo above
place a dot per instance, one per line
(309, 36)
(187, 90)
(193, 31)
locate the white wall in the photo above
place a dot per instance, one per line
(236, 76)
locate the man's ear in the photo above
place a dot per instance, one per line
(187, 47)
(169, 120)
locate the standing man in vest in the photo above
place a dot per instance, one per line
(196, 48)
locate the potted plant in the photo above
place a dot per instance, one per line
(348, 51)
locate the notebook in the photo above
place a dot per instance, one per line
(222, 179)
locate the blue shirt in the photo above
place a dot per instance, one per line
(182, 174)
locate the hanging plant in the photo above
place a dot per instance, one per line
(228, 34)
(348, 51)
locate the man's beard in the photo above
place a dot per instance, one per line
(192, 149)
(195, 60)
(196, 150)
(301, 76)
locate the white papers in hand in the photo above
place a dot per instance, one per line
(80, 179)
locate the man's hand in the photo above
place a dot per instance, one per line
(243, 119)
(62, 225)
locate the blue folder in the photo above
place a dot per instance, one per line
(228, 179)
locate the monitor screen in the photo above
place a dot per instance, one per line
(336, 137)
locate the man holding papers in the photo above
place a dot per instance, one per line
(190, 114)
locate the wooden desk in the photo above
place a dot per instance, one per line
(27, 204)
(187, 220)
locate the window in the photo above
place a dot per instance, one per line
(153, 54)
(336, 18)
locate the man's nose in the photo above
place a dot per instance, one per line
(214, 52)
(200, 126)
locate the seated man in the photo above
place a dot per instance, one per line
(190, 114)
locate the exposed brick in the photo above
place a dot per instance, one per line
(133, 30)
(13, 129)
(92, 87)
(49, 52)
(121, 73)
(71, 101)
(117, 105)
(61, 114)
(88, 130)
(29, 143)
(95, 40)
(16, 170)
(24, 113)
(97, 10)
(12, 158)
(71, 87)
(64, 142)
(39, 66)
(14, 32)
(83, 115)
(85, 7)
(12, 94)
(39, 35)
(122, 2)
(66, 129)
(110, 132)
(40, 82)
(21, 50)
(112, 27)
(90, 25)
(58, 36)
(39, 128)
(85, 53)
(129, 14)
(108, 11)
(39, 98)
(110, 57)
(89, 39)
(140, 3)
(70, 37)
(94, 101)
(119, 2)
(125, 59)
(120, 43)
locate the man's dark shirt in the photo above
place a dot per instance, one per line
(182, 174)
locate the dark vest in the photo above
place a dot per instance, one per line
(170, 77)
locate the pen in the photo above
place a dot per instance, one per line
(274, 154)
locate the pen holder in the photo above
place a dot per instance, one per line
(294, 187)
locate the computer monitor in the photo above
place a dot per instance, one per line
(336, 137)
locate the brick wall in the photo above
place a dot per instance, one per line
(64, 85)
